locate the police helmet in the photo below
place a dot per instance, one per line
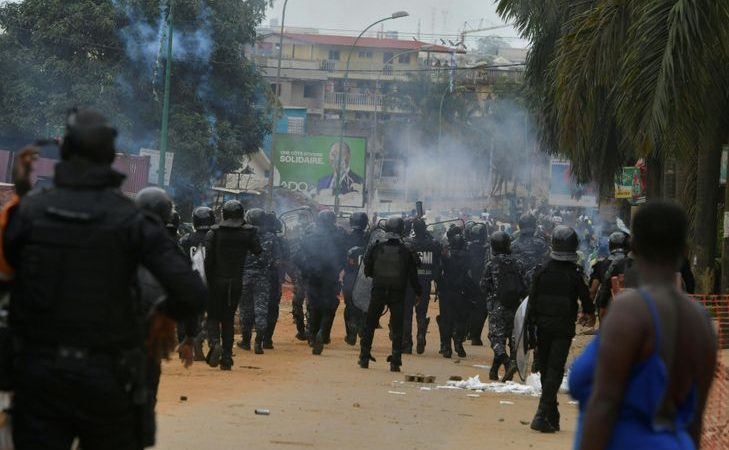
(419, 227)
(88, 135)
(564, 244)
(173, 224)
(500, 243)
(457, 242)
(256, 217)
(453, 230)
(619, 241)
(359, 220)
(395, 225)
(233, 213)
(326, 218)
(156, 201)
(527, 223)
(479, 232)
(203, 218)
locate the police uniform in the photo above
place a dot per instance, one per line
(392, 266)
(257, 289)
(478, 251)
(75, 250)
(553, 308)
(356, 244)
(428, 252)
(228, 246)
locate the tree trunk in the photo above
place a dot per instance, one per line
(669, 179)
(654, 179)
(705, 220)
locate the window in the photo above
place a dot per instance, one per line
(334, 55)
(387, 57)
(365, 54)
(390, 168)
(403, 59)
(295, 125)
(310, 91)
(274, 90)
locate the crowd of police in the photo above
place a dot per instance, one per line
(101, 289)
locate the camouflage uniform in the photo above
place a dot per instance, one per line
(256, 294)
(501, 317)
(532, 251)
(278, 274)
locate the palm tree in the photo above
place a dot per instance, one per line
(620, 80)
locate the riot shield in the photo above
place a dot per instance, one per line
(362, 289)
(523, 354)
(296, 221)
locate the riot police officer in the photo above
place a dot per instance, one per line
(277, 275)
(391, 265)
(553, 309)
(477, 249)
(621, 263)
(455, 289)
(428, 251)
(228, 245)
(356, 245)
(79, 330)
(320, 260)
(257, 287)
(203, 219)
(530, 248)
(504, 284)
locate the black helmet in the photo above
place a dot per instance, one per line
(457, 242)
(395, 225)
(88, 135)
(419, 227)
(453, 230)
(173, 225)
(564, 244)
(619, 241)
(326, 218)
(500, 243)
(479, 232)
(233, 213)
(359, 220)
(527, 223)
(256, 217)
(156, 201)
(203, 218)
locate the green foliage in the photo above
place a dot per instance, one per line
(58, 53)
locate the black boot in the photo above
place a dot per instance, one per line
(422, 331)
(213, 358)
(407, 348)
(300, 329)
(458, 346)
(245, 341)
(511, 370)
(226, 362)
(351, 337)
(268, 338)
(494, 372)
(541, 422)
(446, 347)
(318, 344)
(198, 353)
(553, 416)
(476, 341)
(395, 362)
(365, 358)
(258, 348)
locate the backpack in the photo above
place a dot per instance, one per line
(197, 256)
(511, 288)
(390, 267)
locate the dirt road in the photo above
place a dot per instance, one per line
(328, 402)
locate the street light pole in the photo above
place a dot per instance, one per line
(371, 160)
(164, 132)
(275, 113)
(338, 180)
(440, 112)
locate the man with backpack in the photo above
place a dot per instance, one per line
(504, 283)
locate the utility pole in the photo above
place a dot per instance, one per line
(166, 101)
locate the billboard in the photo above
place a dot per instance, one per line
(308, 164)
(564, 191)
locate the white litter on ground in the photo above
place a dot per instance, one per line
(481, 366)
(504, 402)
(473, 395)
(535, 381)
(532, 386)
(395, 393)
(425, 389)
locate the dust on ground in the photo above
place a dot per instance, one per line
(328, 402)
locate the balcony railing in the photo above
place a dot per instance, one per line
(354, 100)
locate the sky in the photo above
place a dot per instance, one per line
(437, 18)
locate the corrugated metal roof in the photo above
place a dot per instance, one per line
(368, 42)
